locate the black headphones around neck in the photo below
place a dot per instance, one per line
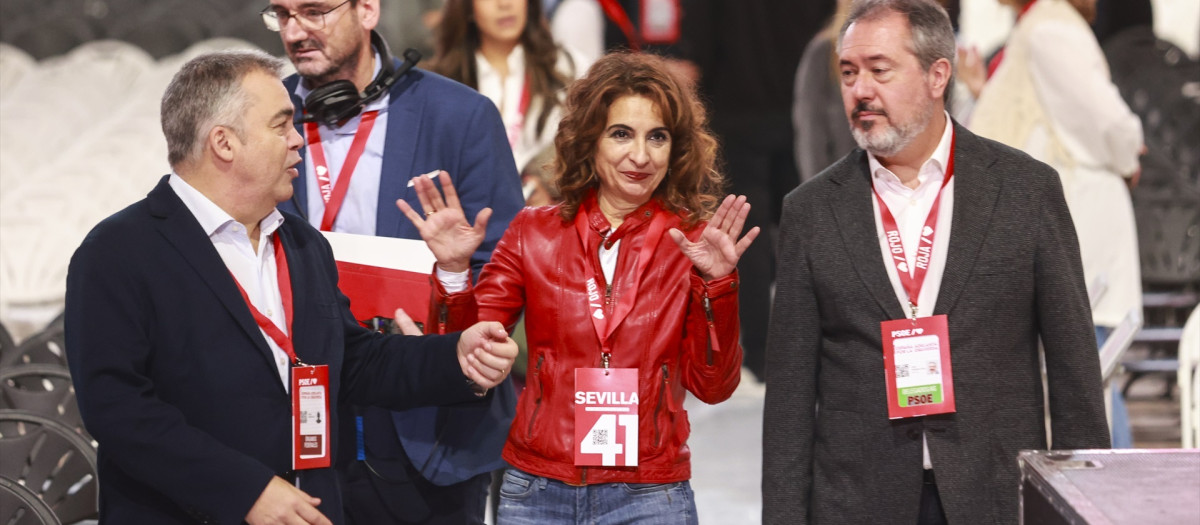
(340, 99)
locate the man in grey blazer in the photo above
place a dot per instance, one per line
(1001, 263)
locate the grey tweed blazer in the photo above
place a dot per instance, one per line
(1013, 274)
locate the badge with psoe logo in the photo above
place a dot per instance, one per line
(916, 357)
(310, 417)
(606, 417)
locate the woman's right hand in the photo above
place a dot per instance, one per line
(445, 228)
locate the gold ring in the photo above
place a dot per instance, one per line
(430, 213)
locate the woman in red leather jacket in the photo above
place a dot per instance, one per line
(629, 292)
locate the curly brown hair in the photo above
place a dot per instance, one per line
(693, 186)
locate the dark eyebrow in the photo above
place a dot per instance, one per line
(627, 128)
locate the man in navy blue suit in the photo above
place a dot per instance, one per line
(192, 314)
(428, 465)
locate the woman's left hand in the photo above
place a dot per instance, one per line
(716, 252)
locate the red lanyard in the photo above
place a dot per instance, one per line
(514, 131)
(333, 198)
(913, 283)
(617, 14)
(285, 293)
(603, 325)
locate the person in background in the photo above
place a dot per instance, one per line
(818, 121)
(428, 465)
(410, 24)
(926, 226)
(744, 56)
(503, 49)
(1050, 95)
(195, 316)
(629, 290)
(595, 27)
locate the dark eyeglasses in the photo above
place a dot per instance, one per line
(310, 18)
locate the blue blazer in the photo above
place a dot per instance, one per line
(436, 123)
(177, 384)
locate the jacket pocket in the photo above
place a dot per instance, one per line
(662, 403)
(537, 401)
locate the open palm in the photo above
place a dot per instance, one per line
(716, 252)
(444, 227)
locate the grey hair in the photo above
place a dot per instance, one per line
(206, 92)
(932, 33)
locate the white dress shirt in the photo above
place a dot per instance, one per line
(358, 211)
(255, 272)
(910, 207)
(506, 93)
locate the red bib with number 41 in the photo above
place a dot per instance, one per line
(310, 417)
(606, 417)
(916, 356)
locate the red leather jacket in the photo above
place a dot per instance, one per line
(540, 267)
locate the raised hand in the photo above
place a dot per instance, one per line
(486, 353)
(716, 252)
(445, 228)
(971, 70)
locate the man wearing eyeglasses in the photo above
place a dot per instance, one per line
(426, 465)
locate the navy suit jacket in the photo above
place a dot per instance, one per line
(435, 123)
(177, 384)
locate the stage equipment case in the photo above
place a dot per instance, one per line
(1110, 487)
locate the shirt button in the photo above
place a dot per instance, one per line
(282, 362)
(912, 202)
(270, 312)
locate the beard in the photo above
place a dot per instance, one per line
(890, 140)
(340, 65)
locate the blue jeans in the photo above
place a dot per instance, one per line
(526, 499)
(1122, 434)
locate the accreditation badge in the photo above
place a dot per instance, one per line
(606, 417)
(916, 356)
(310, 417)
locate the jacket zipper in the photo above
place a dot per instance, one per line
(712, 329)
(442, 315)
(537, 402)
(604, 280)
(662, 393)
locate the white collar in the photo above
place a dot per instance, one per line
(515, 61)
(934, 167)
(210, 216)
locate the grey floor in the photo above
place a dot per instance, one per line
(726, 447)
